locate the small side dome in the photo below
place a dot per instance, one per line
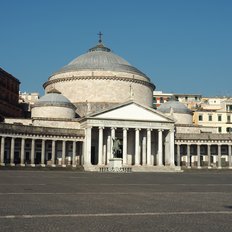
(177, 110)
(53, 105)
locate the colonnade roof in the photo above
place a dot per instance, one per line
(36, 130)
(203, 136)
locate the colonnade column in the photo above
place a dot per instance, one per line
(219, 157)
(22, 153)
(209, 155)
(12, 149)
(32, 152)
(42, 153)
(160, 147)
(137, 147)
(112, 139)
(229, 156)
(87, 157)
(74, 148)
(149, 146)
(53, 152)
(198, 156)
(100, 145)
(2, 151)
(124, 152)
(178, 154)
(172, 148)
(188, 156)
(63, 153)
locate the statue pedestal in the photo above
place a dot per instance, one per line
(115, 163)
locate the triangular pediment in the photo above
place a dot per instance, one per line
(132, 111)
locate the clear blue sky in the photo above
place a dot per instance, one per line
(184, 46)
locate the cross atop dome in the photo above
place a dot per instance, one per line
(100, 46)
(100, 37)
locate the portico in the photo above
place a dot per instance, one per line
(143, 143)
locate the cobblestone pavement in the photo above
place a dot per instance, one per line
(51, 201)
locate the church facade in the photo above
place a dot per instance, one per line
(97, 110)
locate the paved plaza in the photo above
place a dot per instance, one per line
(81, 201)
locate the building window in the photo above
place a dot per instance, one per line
(229, 107)
(219, 118)
(200, 117)
(161, 100)
(228, 118)
(210, 118)
(228, 129)
(219, 129)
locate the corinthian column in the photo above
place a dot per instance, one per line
(144, 150)
(160, 147)
(112, 139)
(149, 146)
(87, 156)
(137, 147)
(124, 153)
(100, 145)
(172, 147)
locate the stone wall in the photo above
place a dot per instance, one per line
(102, 87)
(56, 123)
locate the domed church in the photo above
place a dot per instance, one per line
(101, 79)
(96, 113)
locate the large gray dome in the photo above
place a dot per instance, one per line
(100, 58)
(175, 107)
(101, 79)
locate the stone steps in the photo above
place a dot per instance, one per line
(156, 169)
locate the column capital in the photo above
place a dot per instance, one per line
(160, 130)
(125, 128)
(113, 128)
(172, 130)
(137, 129)
(101, 127)
(149, 129)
